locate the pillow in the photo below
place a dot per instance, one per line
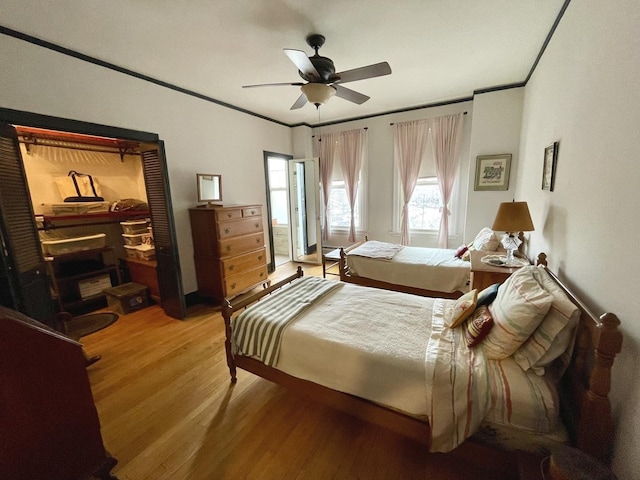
(486, 240)
(555, 335)
(519, 307)
(461, 251)
(478, 326)
(488, 295)
(463, 308)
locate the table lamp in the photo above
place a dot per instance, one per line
(512, 217)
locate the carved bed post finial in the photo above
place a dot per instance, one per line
(542, 259)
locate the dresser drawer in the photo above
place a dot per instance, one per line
(236, 284)
(240, 227)
(228, 214)
(252, 211)
(241, 263)
(238, 245)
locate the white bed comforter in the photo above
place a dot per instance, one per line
(428, 268)
(390, 348)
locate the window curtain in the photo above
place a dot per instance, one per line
(446, 135)
(351, 147)
(326, 155)
(410, 143)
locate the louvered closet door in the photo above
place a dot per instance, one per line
(164, 235)
(23, 264)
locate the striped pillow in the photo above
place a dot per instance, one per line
(555, 335)
(478, 326)
(518, 309)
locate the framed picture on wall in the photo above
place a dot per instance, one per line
(492, 172)
(549, 166)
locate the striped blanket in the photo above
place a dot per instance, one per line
(257, 331)
(458, 390)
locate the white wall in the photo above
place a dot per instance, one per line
(585, 94)
(380, 174)
(495, 130)
(199, 136)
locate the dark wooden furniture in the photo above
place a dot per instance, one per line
(145, 272)
(483, 275)
(228, 249)
(72, 274)
(50, 426)
(584, 388)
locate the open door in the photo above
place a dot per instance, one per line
(164, 234)
(23, 277)
(305, 212)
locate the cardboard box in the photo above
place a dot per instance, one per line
(127, 298)
(93, 286)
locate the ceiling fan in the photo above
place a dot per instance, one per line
(322, 80)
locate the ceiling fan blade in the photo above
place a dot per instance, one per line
(295, 84)
(370, 71)
(350, 95)
(299, 103)
(301, 60)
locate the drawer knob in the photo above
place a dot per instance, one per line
(257, 224)
(257, 240)
(259, 257)
(231, 267)
(226, 230)
(253, 212)
(233, 286)
(228, 248)
(229, 215)
(262, 274)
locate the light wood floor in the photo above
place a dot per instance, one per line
(168, 411)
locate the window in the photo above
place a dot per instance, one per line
(278, 190)
(425, 205)
(340, 213)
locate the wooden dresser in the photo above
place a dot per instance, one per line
(229, 249)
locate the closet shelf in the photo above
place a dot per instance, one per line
(51, 222)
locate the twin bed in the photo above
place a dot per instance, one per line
(391, 358)
(434, 272)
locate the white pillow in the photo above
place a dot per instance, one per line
(486, 240)
(518, 309)
(556, 333)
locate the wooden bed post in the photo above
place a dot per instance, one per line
(596, 429)
(227, 311)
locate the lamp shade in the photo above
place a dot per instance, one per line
(513, 217)
(318, 93)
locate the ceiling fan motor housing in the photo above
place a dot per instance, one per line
(325, 68)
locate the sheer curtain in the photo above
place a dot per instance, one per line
(326, 153)
(410, 143)
(447, 134)
(351, 147)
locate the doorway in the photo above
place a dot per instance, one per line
(25, 241)
(292, 207)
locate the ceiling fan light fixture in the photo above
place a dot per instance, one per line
(318, 93)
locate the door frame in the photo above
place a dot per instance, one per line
(37, 120)
(271, 266)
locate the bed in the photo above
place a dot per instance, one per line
(423, 271)
(403, 388)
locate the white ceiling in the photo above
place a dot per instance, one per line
(439, 50)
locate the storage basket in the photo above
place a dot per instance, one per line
(132, 227)
(72, 245)
(146, 252)
(137, 238)
(93, 286)
(132, 251)
(127, 298)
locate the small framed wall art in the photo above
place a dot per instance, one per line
(492, 172)
(549, 167)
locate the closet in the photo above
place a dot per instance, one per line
(25, 218)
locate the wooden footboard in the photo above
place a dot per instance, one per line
(347, 276)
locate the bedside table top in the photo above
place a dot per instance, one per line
(477, 265)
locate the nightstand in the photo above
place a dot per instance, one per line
(484, 275)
